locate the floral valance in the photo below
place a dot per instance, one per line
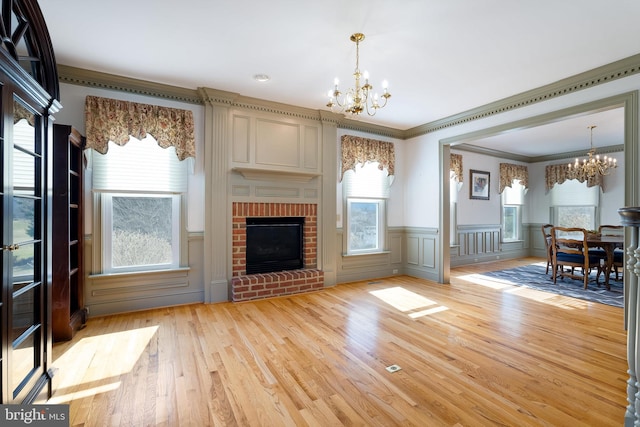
(510, 172)
(557, 174)
(455, 164)
(362, 150)
(114, 120)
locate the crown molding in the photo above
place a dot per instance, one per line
(203, 95)
(356, 125)
(82, 77)
(604, 74)
(534, 159)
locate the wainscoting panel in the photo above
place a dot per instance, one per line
(429, 252)
(395, 244)
(370, 266)
(119, 293)
(413, 250)
(422, 252)
(481, 243)
(537, 243)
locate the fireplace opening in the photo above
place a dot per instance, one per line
(274, 244)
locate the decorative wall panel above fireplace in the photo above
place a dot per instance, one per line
(268, 144)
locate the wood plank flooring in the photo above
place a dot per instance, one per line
(470, 355)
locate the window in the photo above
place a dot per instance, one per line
(366, 191)
(512, 201)
(366, 219)
(575, 216)
(140, 206)
(573, 204)
(141, 231)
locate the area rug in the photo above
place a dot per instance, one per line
(533, 276)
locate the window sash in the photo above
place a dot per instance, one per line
(359, 240)
(511, 222)
(575, 216)
(108, 234)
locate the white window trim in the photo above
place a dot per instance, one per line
(382, 227)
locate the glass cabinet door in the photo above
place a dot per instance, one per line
(25, 251)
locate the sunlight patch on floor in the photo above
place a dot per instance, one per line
(510, 287)
(407, 301)
(556, 300)
(80, 380)
(60, 398)
(428, 312)
(489, 282)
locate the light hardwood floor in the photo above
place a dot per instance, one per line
(470, 355)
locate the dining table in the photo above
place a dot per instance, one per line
(608, 243)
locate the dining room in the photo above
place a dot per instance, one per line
(530, 183)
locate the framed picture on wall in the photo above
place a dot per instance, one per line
(479, 188)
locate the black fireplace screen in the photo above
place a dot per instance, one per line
(274, 244)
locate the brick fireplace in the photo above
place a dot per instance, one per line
(264, 285)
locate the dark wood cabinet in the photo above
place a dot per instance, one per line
(68, 312)
(29, 99)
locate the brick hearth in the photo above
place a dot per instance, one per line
(252, 286)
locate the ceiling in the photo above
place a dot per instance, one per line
(440, 58)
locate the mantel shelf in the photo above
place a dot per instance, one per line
(269, 174)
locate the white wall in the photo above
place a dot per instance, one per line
(473, 211)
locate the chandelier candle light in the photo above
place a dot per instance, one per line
(359, 98)
(593, 165)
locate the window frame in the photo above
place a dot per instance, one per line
(517, 223)
(573, 194)
(518, 226)
(381, 205)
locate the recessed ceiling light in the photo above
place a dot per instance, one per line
(262, 77)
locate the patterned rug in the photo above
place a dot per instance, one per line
(533, 276)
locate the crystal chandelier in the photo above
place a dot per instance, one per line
(359, 98)
(593, 165)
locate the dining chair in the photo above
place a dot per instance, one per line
(618, 254)
(546, 233)
(570, 249)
